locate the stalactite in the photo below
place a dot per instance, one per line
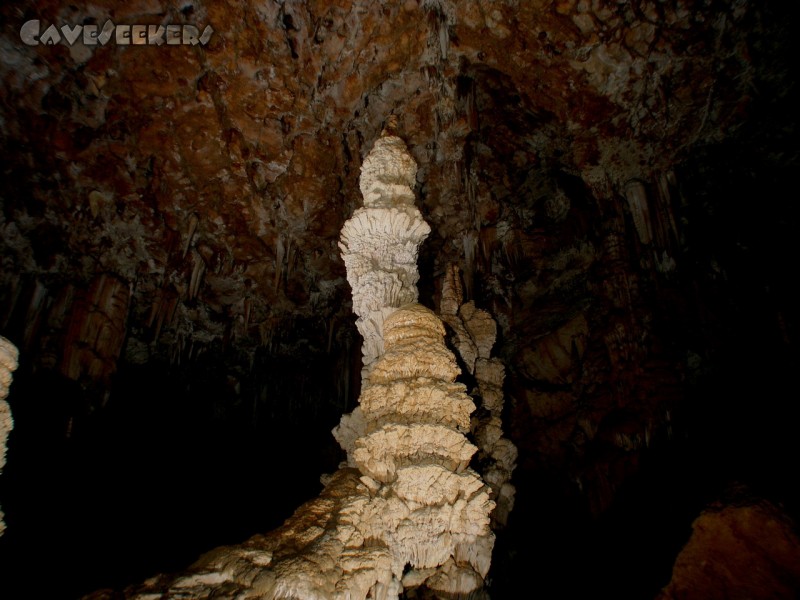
(444, 38)
(248, 309)
(96, 330)
(198, 269)
(636, 195)
(34, 314)
(470, 241)
(280, 256)
(193, 221)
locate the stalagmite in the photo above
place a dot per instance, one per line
(8, 363)
(381, 240)
(475, 333)
(407, 510)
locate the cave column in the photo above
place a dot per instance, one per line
(380, 244)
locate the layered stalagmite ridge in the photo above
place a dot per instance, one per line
(8, 363)
(416, 455)
(380, 242)
(474, 333)
(379, 245)
(407, 511)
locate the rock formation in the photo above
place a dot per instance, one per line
(609, 176)
(742, 550)
(413, 513)
(380, 242)
(8, 363)
(474, 333)
(379, 245)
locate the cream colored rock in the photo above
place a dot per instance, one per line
(488, 432)
(416, 358)
(490, 371)
(414, 321)
(452, 292)
(412, 500)
(475, 334)
(455, 581)
(432, 485)
(8, 364)
(418, 400)
(481, 327)
(382, 452)
(466, 348)
(380, 242)
(493, 398)
(388, 174)
(351, 427)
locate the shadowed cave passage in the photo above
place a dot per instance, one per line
(175, 464)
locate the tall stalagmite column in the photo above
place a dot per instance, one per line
(407, 436)
(8, 363)
(406, 511)
(380, 244)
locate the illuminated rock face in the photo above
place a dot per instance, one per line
(407, 437)
(8, 363)
(433, 511)
(379, 245)
(411, 512)
(380, 242)
(474, 334)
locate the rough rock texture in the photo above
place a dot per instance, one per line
(414, 503)
(379, 247)
(737, 552)
(8, 364)
(417, 505)
(474, 335)
(609, 176)
(380, 242)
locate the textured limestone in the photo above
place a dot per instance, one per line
(481, 327)
(413, 501)
(379, 246)
(379, 454)
(8, 364)
(475, 333)
(351, 427)
(419, 400)
(380, 242)
(749, 551)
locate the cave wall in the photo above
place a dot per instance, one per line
(609, 177)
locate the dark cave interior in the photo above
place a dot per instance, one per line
(216, 425)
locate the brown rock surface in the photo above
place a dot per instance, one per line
(738, 552)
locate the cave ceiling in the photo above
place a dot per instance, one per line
(212, 180)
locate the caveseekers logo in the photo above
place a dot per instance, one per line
(124, 35)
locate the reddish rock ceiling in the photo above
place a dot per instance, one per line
(236, 163)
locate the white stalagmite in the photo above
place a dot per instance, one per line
(8, 363)
(407, 510)
(380, 242)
